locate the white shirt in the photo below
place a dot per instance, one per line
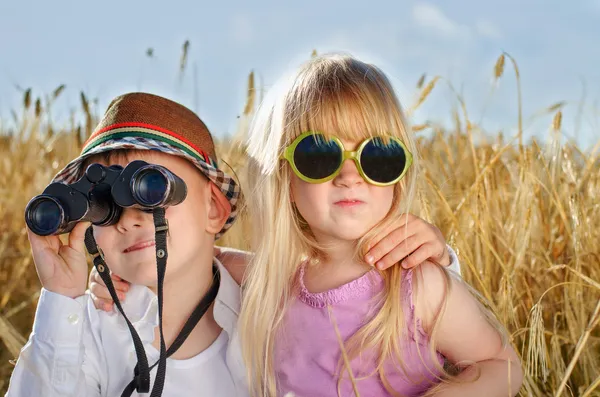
(76, 350)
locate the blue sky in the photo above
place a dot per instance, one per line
(99, 47)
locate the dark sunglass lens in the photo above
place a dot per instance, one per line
(317, 157)
(383, 160)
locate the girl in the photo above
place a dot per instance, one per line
(318, 321)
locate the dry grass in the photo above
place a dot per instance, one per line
(523, 218)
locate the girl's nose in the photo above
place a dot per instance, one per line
(349, 175)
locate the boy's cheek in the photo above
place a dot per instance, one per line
(101, 240)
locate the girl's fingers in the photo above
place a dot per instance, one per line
(102, 304)
(118, 282)
(121, 286)
(115, 277)
(100, 291)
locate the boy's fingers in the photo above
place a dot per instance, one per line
(399, 252)
(419, 256)
(406, 226)
(396, 245)
(388, 261)
(39, 243)
(77, 237)
(401, 223)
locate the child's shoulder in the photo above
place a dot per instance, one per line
(427, 285)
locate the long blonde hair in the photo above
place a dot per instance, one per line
(336, 95)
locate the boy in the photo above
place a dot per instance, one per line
(75, 350)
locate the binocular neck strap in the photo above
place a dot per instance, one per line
(141, 380)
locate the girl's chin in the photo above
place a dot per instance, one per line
(342, 238)
(349, 232)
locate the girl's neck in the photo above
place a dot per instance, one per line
(181, 294)
(340, 266)
(338, 253)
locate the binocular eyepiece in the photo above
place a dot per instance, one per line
(100, 195)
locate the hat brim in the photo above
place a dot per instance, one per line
(226, 184)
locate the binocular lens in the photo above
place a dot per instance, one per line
(150, 187)
(44, 216)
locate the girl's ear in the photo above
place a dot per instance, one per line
(219, 211)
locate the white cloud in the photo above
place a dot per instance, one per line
(379, 35)
(431, 17)
(242, 29)
(487, 29)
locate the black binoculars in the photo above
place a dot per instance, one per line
(100, 195)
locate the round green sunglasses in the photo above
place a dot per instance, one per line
(381, 161)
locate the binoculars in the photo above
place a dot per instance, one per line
(100, 195)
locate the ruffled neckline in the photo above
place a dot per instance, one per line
(356, 288)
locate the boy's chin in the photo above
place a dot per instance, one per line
(141, 273)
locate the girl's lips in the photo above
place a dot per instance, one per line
(348, 203)
(140, 246)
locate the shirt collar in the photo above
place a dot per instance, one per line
(227, 304)
(141, 306)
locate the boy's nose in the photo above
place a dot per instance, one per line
(130, 219)
(349, 175)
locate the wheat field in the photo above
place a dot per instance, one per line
(523, 217)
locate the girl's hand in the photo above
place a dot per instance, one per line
(412, 241)
(99, 293)
(61, 268)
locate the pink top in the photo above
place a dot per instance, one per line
(308, 353)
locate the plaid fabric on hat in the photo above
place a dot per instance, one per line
(127, 132)
(224, 182)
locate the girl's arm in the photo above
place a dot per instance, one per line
(465, 336)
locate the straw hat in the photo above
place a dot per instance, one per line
(142, 121)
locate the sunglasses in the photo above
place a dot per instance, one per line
(381, 161)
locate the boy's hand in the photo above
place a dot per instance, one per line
(412, 241)
(61, 268)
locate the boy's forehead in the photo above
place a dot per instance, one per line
(150, 156)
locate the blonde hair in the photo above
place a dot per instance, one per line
(335, 95)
